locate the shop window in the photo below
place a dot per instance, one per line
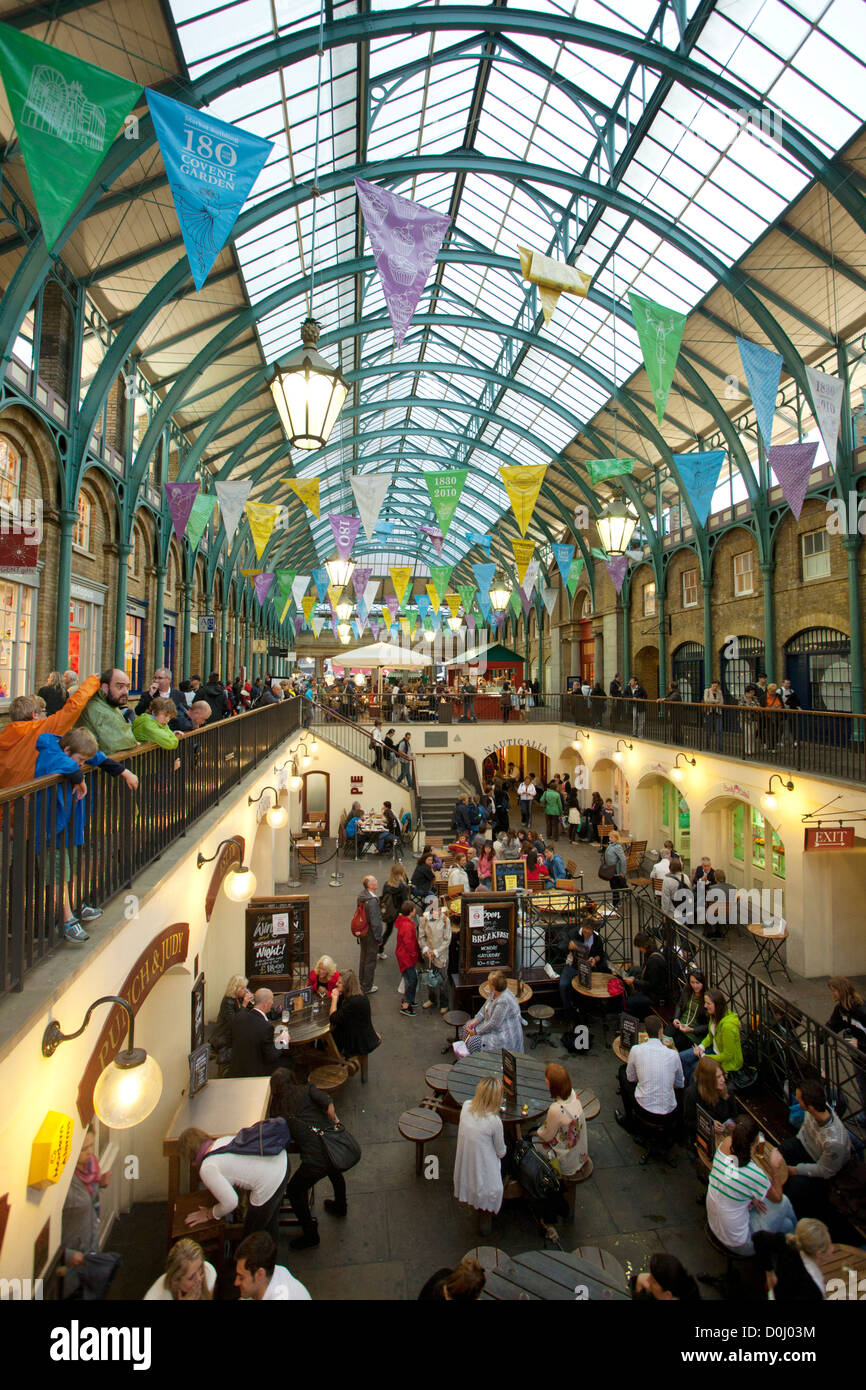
(744, 577)
(666, 805)
(815, 550)
(649, 600)
(81, 530)
(16, 631)
(759, 847)
(10, 471)
(691, 588)
(778, 856)
(738, 821)
(134, 648)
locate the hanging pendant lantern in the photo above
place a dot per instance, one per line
(616, 525)
(308, 392)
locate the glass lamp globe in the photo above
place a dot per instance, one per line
(344, 612)
(615, 526)
(278, 816)
(128, 1090)
(240, 884)
(577, 744)
(499, 597)
(295, 783)
(306, 760)
(769, 800)
(677, 774)
(617, 757)
(429, 635)
(308, 392)
(340, 571)
(455, 624)
(344, 632)
(314, 747)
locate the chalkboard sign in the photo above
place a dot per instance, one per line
(629, 1028)
(196, 1027)
(487, 926)
(277, 932)
(198, 1063)
(509, 875)
(705, 1136)
(584, 972)
(509, 1075)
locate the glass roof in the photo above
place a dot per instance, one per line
(564, 111)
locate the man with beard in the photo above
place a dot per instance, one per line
(103, 714)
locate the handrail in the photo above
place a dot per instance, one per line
(361, 736)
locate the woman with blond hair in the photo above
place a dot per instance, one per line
(480, 1149)
(849, 1019)
(324, 976)
(53, 692)
(235, 997)
(791, 1261)
(188, 1277)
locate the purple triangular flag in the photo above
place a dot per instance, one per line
(299, 623)
(470, 622)
(360, 579)
(392, 603)
(524, 601)
(345, 529)
(792, 465)
(499, 619)
(262, 583)
(405, 238)
(616, 568)
(375, 627)
(435, 536)
(180, 497)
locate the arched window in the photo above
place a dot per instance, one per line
(10, 470)
(687, 667)
(818, 665)
(81, 532)
(741, 662)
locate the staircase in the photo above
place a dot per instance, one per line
(437, 808)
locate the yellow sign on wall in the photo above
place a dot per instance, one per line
(50, 1150)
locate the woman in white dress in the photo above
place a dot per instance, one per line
(480, 1146)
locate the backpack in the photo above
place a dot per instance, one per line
(360, 924)
(262, 1140)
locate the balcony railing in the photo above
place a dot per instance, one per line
(354, 739)
(124, 831)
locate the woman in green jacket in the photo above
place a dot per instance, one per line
(152, 726)
(723, 1039)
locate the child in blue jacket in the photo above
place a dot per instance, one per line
(65, 755)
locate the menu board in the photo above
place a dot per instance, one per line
(509, 875)
(584, 972)
(198, 1064)
(196, 1026)
(629, 1029)
(705, 1136)
(277, 933)
(509, 1075)
(487, 927)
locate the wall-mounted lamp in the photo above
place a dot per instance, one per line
(240, 882)
(676, 770)
(130, 1087)
(618, 752)
(277, 815)
(580, 737)
(769, 798)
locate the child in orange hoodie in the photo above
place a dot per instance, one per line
(18, 739)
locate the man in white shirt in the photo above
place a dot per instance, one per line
(377, 740)
(526, 794)
(650, 1081)
(260, 1278)
(662, 867)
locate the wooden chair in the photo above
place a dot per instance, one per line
(635, 855)
(571, 868)
(330, 1077)
(568, 885)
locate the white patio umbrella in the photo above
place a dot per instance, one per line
(386, 654)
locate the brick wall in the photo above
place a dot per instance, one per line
(58, 339)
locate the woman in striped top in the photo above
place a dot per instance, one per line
(739, 1190)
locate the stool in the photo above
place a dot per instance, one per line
(542, 1014)
(359, 1063)
(437, 1078)
(570, 1184)
(656, 1138)
(455, 1018)
(729, 1284)
(329, 1078)
(419, 1125)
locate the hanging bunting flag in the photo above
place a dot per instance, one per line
(467, 597)
(335, 593)
(300, 586)
(522, 556)
(285, 580)
(285, 610)
(792, 465)
(435, 600)
(386, 618)
(360, 578)
(552, 278)
(484, 606)
(531, 577)
(262, 517)
(827, 393)
(660, 332)
(499, 619)
(250, 574)
(356, 628)
(363, 613)
(599, 469)
(616, 568)
(383, 529)
(262, 585)
(405, 238)
(200, 515)
(375, 627)
(484, 575)
(700, 475)
(470, 622)
(514, 602)
(371, 591)
(211, 167)
(307, 491)
(232, 498)
(762, 367)
(423, 603)
(598, 554)
(317, 624)
(401, 576)
(548, 598)
(392, 603)
(321, 581)
(370, 490)
(67, 114)
(404, 627)
(298, 623)
(523, 485)
(563, 555)
(453, 601)
(345, 529)
(440, 576)
(434, 534)
(524, 601)
(480, 538)
(308, 604)
(180, 497)
(435, 621)
(445, 490)
(574, 572)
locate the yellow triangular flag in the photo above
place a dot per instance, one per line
(522, 556)
(433, 595)
(523, 486)
(286, 609)
(400, 577)
(250, 574)
(552, 278)
(386, 617)
(307, 489)
(453, 601)
(549, 300)
(404, 626)
(335, 593)
(262, 517)
(308, 604)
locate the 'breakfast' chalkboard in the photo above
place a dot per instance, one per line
(277, 933)
(487, 933)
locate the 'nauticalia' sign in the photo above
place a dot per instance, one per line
(168, 949)
(510, 742)
(842, 838)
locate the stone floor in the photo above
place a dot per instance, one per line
(401, 1227)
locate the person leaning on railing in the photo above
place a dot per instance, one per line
(18, 739)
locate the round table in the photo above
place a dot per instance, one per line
(531, 1085)
(769, 946)
(841, 1263)
(307, 1027)
(622, 1054)
(553, 1276)
(522, 998)
(600, 979)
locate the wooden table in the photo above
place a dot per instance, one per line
(308, 857)
(842, 1261)
(622, 1055)
(553, 1276)
(600, 979)
(223, 1107)
(308, 1026)
(366, 834)
(769, 946)
(531, 1086)
(522, 998)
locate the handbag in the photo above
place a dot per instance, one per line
(533, 1171)
(341, 1148)
(607, 872)
(97, 1274)
(431, 978)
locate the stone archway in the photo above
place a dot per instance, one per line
(661, 812)
(645, 669)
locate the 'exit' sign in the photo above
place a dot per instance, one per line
(842, 838)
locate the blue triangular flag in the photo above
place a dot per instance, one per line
(763, 367)
(563, 555)
(483, 601)
(480, 538)
(700, 475)
(484, 578)
(423, 604)
(321, 581)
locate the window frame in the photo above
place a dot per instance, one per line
(824, 551)
(744, 573)
(83, 501)
(650, 600)
(697, 585)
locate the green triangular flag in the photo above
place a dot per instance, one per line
(599, 469)
(514, 603)
(67, 114)
(574, 573)
(200, 515)
(445, 490)
(440, 575)
(660, 332)
(467, 596)
(285, 580)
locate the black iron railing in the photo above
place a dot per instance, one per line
(124, 831)
(355, 739)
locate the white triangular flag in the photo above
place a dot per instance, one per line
(530, 577)
(371, 591)
(317, 624)
(300, 585)
(232, 498)
(370, 490)
(827, 392)
(549, 597)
